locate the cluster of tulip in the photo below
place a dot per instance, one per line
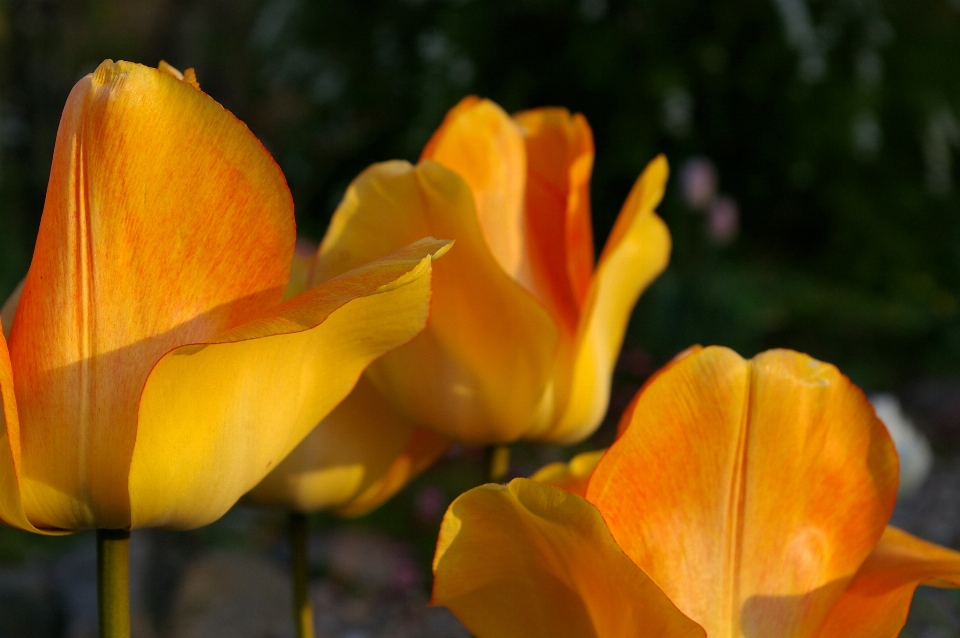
(169, 353)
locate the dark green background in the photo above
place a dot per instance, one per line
(851, 253)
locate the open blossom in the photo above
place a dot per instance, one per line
(152, 374)
(524, 328)
(741, 499)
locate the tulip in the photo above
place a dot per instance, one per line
(152, 375)
(357, 457)
(741, 498)
(524, 331)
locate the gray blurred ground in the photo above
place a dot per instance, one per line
(365, 585)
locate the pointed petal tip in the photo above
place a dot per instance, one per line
(660, 163)
(426, 247)
(422, 252)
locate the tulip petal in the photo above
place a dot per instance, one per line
(165, 222)
(354, 460)
(627, 417)
(636, 252)
(557, 202)
(478, 141)
(750, 491)
(422, 450)
(570, 477)
(529, 560)
(482, 322)
(876, 603)
(11, 503)
(216, 417)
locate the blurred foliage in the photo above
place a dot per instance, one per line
(832, 124)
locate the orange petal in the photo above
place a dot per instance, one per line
(750, 491)
(627, 417)
(876, 603)
(354, 460)
(11, 502)
(165, 222)
(570, 477)
(528, 560)
(216, 417)
(636, 252)
(451, 378)
(557, 201)
(480, 142)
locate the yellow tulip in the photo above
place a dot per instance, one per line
(524, 331)
(741, 499)
(153, 374)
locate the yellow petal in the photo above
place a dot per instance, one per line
(189, 76)
(557, 203)
(216, 417)
(165, 222)
(750, 491)
(529, 560)
(636, 252)
(453, 377)
(876, 603)
(422, 450)
(573, 476)
(478, 141)
(354, 460)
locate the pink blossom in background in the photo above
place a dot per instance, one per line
(723, 221)
(698, 182)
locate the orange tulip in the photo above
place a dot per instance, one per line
(742, 499)
(524, 331)
(152, 374)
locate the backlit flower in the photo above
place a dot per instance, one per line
(524, 329)
(152, 374)
(741, 499)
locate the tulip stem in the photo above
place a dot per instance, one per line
(497, 463)
(113, 582)
(299, 569)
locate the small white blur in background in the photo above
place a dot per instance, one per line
(916, 457)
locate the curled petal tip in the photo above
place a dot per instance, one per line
(426, 247)
(107, 71)
(189, 76)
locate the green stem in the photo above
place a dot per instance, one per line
(113, 582)
(497, 463)
(299, 568)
